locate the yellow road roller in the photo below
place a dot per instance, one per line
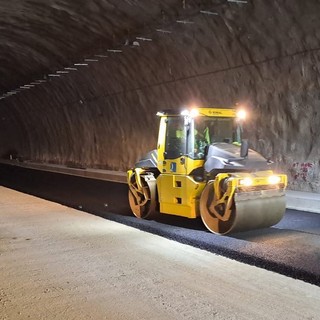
(203, 167)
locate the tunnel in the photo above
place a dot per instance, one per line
(82, 85)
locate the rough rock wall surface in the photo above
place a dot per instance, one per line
(262, 54)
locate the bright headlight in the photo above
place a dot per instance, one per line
(191, 113)
(241, 115)
(247, 182)
(194, 112)
(274, 179)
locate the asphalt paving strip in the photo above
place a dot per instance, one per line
(291, 248)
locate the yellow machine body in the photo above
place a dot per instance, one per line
(178, 184)
(179, 195)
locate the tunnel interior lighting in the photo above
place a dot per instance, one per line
(143, 39)
(114, 50)
(185, 22)
(209, 12)
(238, 1)
(163, 31)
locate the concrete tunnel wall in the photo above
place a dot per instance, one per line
(264, 55)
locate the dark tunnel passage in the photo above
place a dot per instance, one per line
(81, 81)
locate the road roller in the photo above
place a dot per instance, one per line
(203, 167)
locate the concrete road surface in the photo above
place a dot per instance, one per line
(60, 263)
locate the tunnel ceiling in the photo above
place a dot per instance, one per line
(40, 37)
